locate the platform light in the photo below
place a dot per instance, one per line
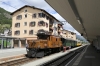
(85, 33)
(79, 21)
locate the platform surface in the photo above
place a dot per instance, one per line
(90, 58)
(12, 52)
(48, 58)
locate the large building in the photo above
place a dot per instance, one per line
(68, 34)
(27, 20)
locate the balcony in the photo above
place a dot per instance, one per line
(59, 30)
(41, 23)
(32, 24)
(17, 25)
(60, 26)
(17, 32)
(31, 32)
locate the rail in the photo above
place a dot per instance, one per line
(15, 60)
(60, 61)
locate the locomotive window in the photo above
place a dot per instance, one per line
(56, 39)
(42, 36)
(49, 38)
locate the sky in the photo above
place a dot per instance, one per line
(13, 5)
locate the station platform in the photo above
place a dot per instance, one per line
(90, 58)
(43, 60)
(12, 52)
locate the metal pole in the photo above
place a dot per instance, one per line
(2, 43)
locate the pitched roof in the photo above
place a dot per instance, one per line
(34, 8)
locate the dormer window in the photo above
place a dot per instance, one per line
(32, 24)
(25, 10)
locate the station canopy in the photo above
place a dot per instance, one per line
(83, 15)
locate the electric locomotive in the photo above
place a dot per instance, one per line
(44, 45)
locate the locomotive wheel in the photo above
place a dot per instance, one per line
(59, 49)
(45, 52)
(33, 54)
(40, 54)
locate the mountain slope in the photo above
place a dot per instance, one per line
(5, 17)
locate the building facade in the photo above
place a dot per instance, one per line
(68, 34)
(27, 20)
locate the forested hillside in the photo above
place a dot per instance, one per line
(5, 17)
(5, 20)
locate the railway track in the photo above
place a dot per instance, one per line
(15, 61)
(62, 61)
(22, 59)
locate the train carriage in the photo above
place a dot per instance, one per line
(68, 43)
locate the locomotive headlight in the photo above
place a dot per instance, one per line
(38, 46)
(45, 45)
(27, 45)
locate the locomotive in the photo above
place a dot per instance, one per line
(47, 44)
(44, 45)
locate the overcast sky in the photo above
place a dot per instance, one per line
(12, 5)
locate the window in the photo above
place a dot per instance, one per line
(46, 24)
(40, 14)
(25, 15)
(17, 24)
(43, 15)
(32, 24)
(47, 17)
(72, 33)
(19, 17)
(41, 23)
(25, 31)
(56, 39)
(31, 32)
(17, 32)
(25, 23)
(25, 10)
(34, 15)
(55, 28)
